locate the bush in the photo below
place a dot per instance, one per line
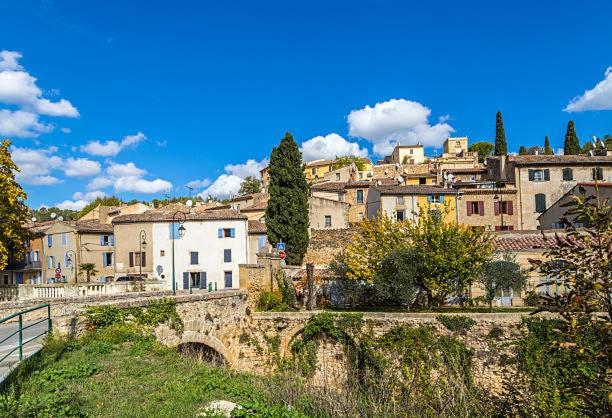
(271, 301)
(456, 323)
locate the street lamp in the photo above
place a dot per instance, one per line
(143, 246)
(71, 260)
(499, 196)
(178, 217)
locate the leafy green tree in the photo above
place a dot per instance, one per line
(483, 148)
(44, 214)
(501, 275)
(571, 144)
(287, 211)
(501, 148)
(104, 201)
(89, 269)
(608, 141)
(547, 149)
(522, 150)
(396, 277)
(250, 185)
(536, 150)
(340, 162)
(13, 211)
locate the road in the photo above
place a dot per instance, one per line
(32, 347)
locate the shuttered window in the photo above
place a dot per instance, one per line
(194, 257)
(227, 256)
(598, 173)
(568, 174)
(540, 202)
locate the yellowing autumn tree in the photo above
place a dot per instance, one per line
(13, 211)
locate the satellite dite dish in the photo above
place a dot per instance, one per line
(189, 203)
(53, 215)
(159, 269)
(61, 218)
(33, 219)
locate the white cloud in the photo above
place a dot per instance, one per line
(66, 130)
(71, 205)
(112, 148)
(124, 170)
(35, 165)
(100, 182)
(89, 196)
(21, 124)
(598, 98)
(9, 60)
(140, 185)
(226, 186)
(250, 168)
(329, 147)
(198, 184)
(80, 167)
(397, 120)
(39, 180)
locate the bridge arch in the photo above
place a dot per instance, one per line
(211, 345)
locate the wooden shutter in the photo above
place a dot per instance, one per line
(220, 232)
(202, 280)
(469, 208)
(185, 280)
(481, 208)
(496, 207)
(233, 232)
(510, 211)
(531, 175)
(546, 174)
(131, 257)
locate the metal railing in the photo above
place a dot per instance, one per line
(21, 328)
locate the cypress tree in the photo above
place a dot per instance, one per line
(547, 149)
(571, 144)
(501, 147)
(287, 212)
(522, 150)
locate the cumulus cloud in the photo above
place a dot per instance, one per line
(112, 148)
(198, 184)
(9, 60)
(250, 168)
(329, 147)
(397, 120)
(140, 185)
(81, 167)
(124, 170)
(71, 205)
(128, 178)
(21, 124)
(89, 196)
(598, 98)
(100, 182)
(226, 186)
(35, 165)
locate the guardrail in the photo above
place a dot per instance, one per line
(21, 328)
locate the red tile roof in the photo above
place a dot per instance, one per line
(558, 159)
(257, 227)
(523, 242)
(255, 207)
(414, 190)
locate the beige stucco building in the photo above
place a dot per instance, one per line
(488, 209)
(406, 154)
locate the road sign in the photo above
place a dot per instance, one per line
(280, 246)
(282, 255)
(58, 271)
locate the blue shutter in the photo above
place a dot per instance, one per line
(50, 240)
(441, 198)
(103, 260)
(185, 280)
(220, 232)
(112, 240)
(202, 280)
(101, 239)
(170, 236)
(233, 232)
(429, 199)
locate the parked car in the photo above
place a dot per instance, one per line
(129, 279)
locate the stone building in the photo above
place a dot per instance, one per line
(490, 209)
(541, 180)
(258, 240)
(28, 269)
(326, 213)
(205, 256)
(406, 154)
(406, 202)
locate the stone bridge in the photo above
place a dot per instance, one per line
(225, 324)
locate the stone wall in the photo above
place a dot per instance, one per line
(325, 244)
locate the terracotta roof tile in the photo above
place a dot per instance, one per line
(331, 186)
(255, 207)
(257, 227)
(414, 189)
(523, 242)
(166, 213)
(559, 159)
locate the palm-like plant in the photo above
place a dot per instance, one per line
(89, 269)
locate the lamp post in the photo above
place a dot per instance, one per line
(143, 246)
(71, 260)
(178, 217)
(499, 196)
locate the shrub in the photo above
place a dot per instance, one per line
(271, 301)
(456, 323)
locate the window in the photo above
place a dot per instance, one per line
(540, 202)
(539, 175)
(228, 279)
(360, 216)
(328, 222)
(399, 200)
(568, 174)
(504, 208)
(399, 215)
(504, 228)
(261, 242)
(67, 260)
(598, 173)
(475, 208)
(135, 257)
(193, 257)
(64, 239)
(341, 197)
(50, 240)
(360, 175)
(35, 256)
(104, 240)
(411, 151)
(51, 262)
(337, 176)
(422, 180)
(107, 259)
(226, 232)
(227, 256)
(435, 198)
(162, 253)
(313, 170)
(359, 196)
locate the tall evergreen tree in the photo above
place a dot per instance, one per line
(571, 144)
(501, 148)
(287, 212)
(547, 149)
(13, 211)
(522, 150)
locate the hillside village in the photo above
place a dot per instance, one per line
(210, 245)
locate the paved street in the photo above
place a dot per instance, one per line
(5, 330)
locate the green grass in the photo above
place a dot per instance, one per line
(115, 374)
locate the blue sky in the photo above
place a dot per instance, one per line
(199, 92)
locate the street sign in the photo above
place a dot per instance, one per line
(280, 246)
(282, 255)
(58, 271)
